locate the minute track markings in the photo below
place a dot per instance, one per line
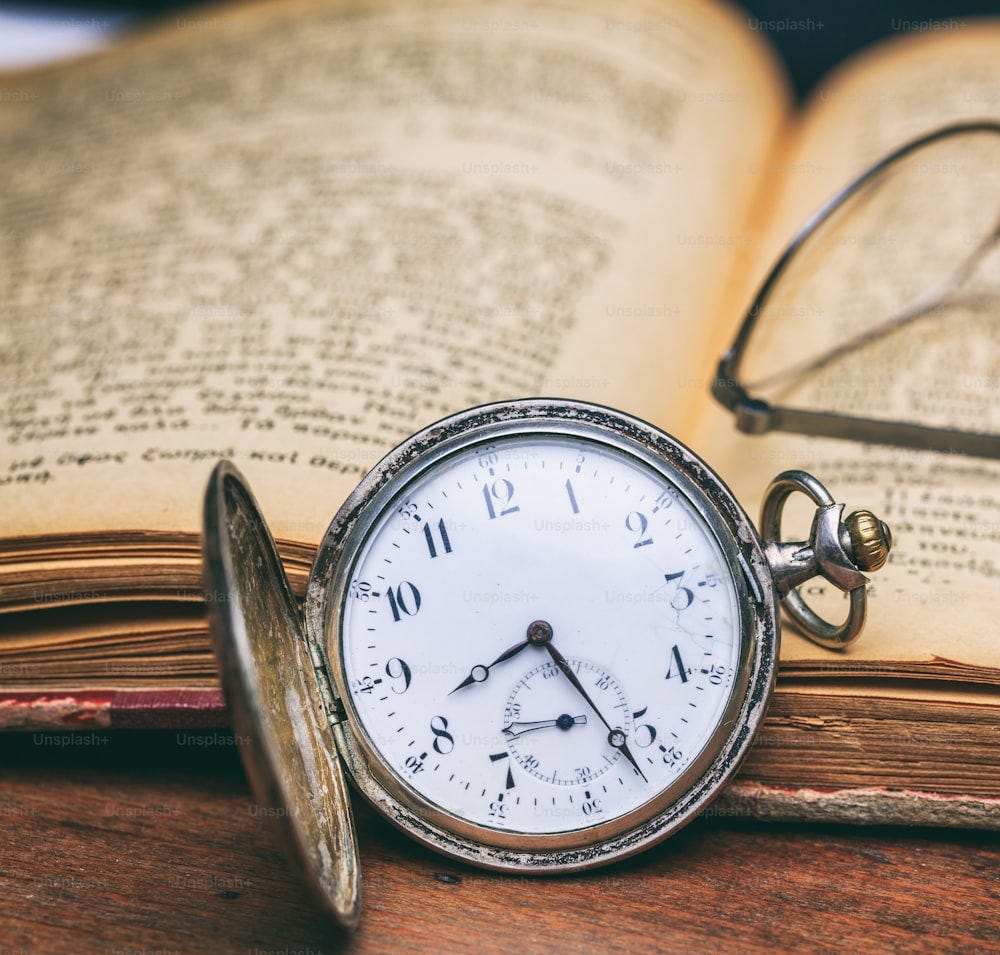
(598, 493)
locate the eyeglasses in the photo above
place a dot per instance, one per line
(879, 322)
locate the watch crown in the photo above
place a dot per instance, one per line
(871, 540)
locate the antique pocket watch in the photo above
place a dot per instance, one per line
(539, 636)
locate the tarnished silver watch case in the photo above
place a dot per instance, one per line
(668, 809)
(283, 674)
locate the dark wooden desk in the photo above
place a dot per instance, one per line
(151, 844)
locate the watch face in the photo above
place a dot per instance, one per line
(540, 636)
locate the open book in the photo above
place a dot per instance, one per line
(291, 235)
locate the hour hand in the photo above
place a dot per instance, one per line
(481, 671)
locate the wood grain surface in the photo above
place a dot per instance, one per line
(150, 844)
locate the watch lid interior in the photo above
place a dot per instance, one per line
(268, 677)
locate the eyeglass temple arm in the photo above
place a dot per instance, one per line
(756, 416)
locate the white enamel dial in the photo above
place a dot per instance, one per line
(626, 585)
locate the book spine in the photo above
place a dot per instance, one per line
(112, 709)
(743, 799)
(873, 806)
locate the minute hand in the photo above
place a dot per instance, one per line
(560, 661)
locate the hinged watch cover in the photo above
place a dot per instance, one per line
(277, 711)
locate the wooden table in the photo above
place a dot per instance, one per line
(151, 843)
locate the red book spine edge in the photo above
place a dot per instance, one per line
(29, 710)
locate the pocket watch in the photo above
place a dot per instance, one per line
(538, 637)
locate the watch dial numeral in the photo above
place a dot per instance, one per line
(397, 669)
(408, 511)
(671, 755)
(404, 600)
(683, 671)
(665, 499)
(415, 764)
(495, 757)
(363, 685)
(684, 597)
(498, 810)
(716, 673)
(644, 733)
(442, 538)
(444, 742)
(498, 496)
(638, 523)
(361, 590)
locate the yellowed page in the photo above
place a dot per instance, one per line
(298, 234)
(936, 604)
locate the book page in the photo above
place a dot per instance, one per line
(934, 607)
(291, 236)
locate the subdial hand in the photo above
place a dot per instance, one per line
(616, 735)
(564, 722)
(480, 672)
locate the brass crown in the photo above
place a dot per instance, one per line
(871, 540)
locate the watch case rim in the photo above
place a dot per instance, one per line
(700, 782)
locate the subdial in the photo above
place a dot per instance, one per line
(553, 734)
